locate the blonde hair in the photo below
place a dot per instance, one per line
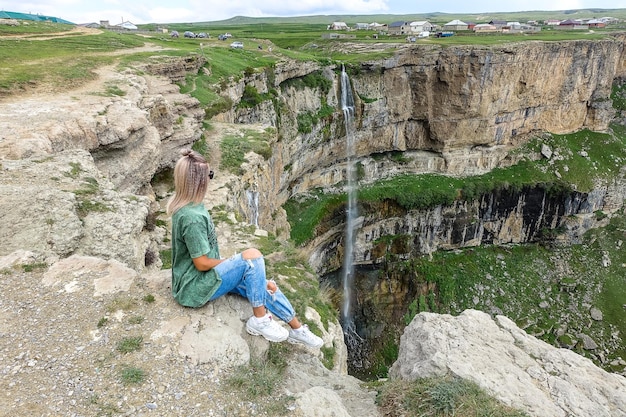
(191, 178)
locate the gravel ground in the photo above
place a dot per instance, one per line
(58, 356)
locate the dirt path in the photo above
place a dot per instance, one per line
(75, 31)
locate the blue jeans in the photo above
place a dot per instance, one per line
(246, 277)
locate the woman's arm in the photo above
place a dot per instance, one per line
(204, 263)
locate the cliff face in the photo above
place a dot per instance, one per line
(458, 110)
(499, 218)
(453, 111)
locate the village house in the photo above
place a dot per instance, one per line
(572, 24)
(399, 28)
(334, 35)
(126, 26)
(551, 22)
(338, 26)
(486, 28)
(609, 20)
(421, 26)
(455, 25)
(378, 26)
(530, 28)
(596, 23)
(361, 26)
(498, 23)
(514, 25)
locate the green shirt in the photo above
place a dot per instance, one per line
(193, 235)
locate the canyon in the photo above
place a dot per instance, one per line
(87, 162)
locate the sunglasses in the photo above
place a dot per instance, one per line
(211, 175)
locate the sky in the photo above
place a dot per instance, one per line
(182, 11)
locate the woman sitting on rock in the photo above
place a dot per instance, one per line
(199, 275)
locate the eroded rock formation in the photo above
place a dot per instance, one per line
(516, 368)
(76, 169)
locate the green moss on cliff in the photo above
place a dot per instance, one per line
(618, 95)
(549, 292)
(578, 162)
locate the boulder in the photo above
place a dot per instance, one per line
(518, 369)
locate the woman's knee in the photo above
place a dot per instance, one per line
(251, 253)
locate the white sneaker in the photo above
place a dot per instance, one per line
(267, 328)
(305, 337)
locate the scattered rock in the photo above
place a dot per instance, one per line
(546, 151)
(588, 342)
(596, 314)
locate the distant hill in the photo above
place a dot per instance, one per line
(434, 16)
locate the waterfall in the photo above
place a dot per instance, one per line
(347, 106)
(253, 207)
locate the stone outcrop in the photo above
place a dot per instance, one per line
(62, 204)
(69, 318)
(131, 132)
(458, 110)
(516, 368)
(76, 170)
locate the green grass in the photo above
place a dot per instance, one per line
(510, 279)
(259, 380)
(234, 148)
(618, 95)
(58, 61)
(130, 344)
(132, 375)
(122, 302)
(440, 397)
(35, 29)
(471, 38)
(73, 59)
(306, 291)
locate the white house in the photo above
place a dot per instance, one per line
(609, 20)
(338, 26)
(455, 25)
(127, 25)
(377, 26)
(422, 26)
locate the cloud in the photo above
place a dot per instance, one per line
(168, 15)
